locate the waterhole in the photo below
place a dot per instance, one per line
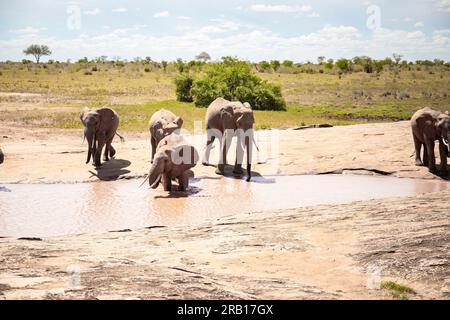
(46, 210)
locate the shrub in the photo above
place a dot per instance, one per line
(183, 85)
(343, 65)
(146, 69)
(234, 80)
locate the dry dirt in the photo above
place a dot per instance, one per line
(321, 252)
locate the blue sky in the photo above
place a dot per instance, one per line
(254, 30)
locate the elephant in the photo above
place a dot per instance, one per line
(225, 119)
(427, 126)
(100, 127)
(2, 157)
(161, 124)
(173, 158)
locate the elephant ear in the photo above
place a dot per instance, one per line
(179, 121)
(247, 105)
(156, 170)
(158, 130)
(227, 114)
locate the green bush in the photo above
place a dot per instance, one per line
(183, 85)
(234, 80)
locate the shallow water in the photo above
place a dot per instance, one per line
(44, 210)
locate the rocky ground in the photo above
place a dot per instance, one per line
(321, 252)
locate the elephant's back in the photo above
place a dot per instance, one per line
(162, 115)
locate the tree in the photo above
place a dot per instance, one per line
(343, 65)
(287, 63)
(164, 65)
(321, 59)
(37, 51)
(397, 57)
(203, 56)
(275, 64)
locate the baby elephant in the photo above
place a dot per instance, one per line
(100, 127)
(173, 158)
(162, 123)
(429, 125)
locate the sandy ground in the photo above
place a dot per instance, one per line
(58, 156)
(318, 252)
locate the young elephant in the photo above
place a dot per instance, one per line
(427, 126)
(173, 158)
(100, 127)
(2, 157)
(161, 124)
(225, 119)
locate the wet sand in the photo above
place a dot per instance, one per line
(314, 252)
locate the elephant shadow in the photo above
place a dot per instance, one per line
(111, 170)
(256, 176)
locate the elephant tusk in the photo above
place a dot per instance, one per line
(156, 183)
(445, 142)
(145, 180)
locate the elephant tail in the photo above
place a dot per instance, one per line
(122, 139)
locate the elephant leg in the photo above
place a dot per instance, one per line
(239, 156)
(210, 140)
(225, 146)
(112, 151)
(417, 146)
(425, 156)
(429, 144)
(183, 181)
(153, 143)
(98, 152)
(106, 152)
(167, 182)
(443, 155)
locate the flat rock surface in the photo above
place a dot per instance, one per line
(321, 252)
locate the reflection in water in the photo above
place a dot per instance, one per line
(42, 210)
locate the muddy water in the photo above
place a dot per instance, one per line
(44, 210)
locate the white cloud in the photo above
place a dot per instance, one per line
(93, 12)
(254, 44)
(221, 26)
(280, 8)
(184, 18)
(120, 9)
(27, 30)
(314, 15)
(419, 24)
(443, 5)
(162, 14)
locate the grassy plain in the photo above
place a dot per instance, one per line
(53, 94)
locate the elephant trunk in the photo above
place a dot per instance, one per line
(90, 137)
(156, 171)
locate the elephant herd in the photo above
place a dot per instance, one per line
(172, 156)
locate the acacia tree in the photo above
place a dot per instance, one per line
(204, 56)
(37, 51)
(397, 57)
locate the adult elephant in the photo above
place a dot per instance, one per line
(173, 158)
(100, 127)
(2, 157)
(161, 124)
(427, 126)
(225, 119)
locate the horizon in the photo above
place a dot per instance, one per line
(249, 30)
